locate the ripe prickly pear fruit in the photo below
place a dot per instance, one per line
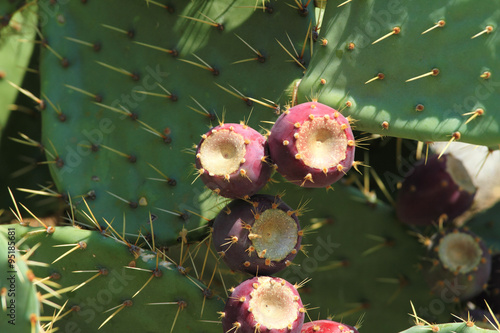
(492, 294)
(459, 265)
(263, 304)
(231, 160)
(312, 145)
(327, 326)
(260, 235)
(440, 189)
(494, 284)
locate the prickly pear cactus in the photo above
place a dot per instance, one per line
(128, 89)
(130, 143)
(411, 69)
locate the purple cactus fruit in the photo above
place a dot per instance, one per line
(440, 188)
(263, 304)
(492, 294)
(459, 265)
(327, 326)
(482, 318)
(312, 145)
(231, 160)
(260, 235)
(493, 298)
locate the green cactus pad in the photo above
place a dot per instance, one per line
(14, 55)
(20, 308)
(129, 95)
(461, 71)
(100, 274)
(23, 159)
(465, 327)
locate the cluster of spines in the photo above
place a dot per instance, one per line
(7, 10)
